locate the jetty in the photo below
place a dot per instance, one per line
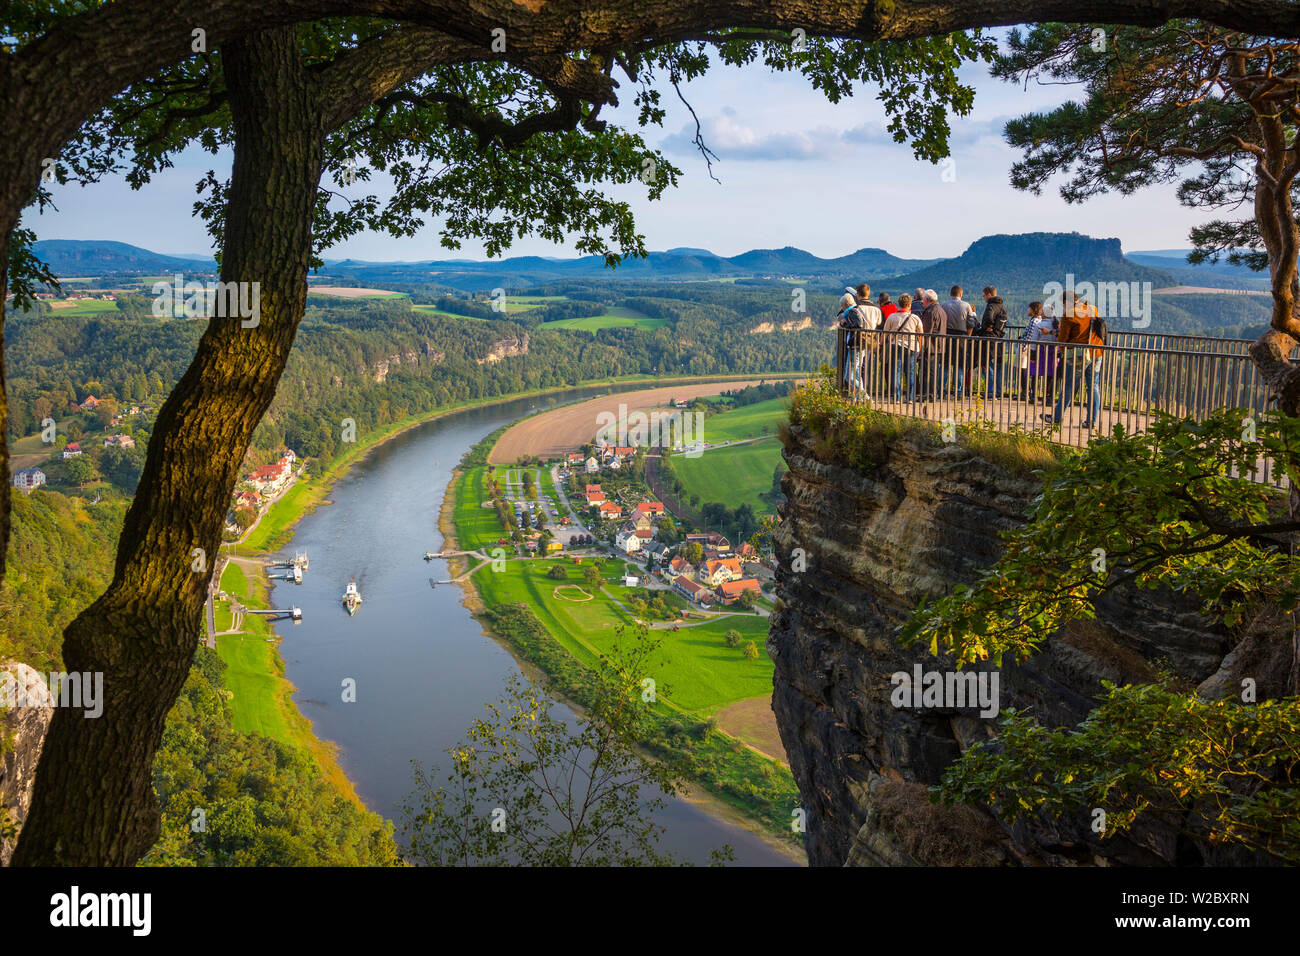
(276, 614)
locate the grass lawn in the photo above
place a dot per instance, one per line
(734, 476)
(83, 307)
(750, 421)
(476, 526)
(434, 310)
(615, 317)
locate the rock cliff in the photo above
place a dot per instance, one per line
(875, 542)
(22, 733)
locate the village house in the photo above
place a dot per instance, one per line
(591, 465)
(119, 441)
(574, 458)
(71, 450)
(270, 478)
(656, 551)
(677, 567)
(712, 540)
(90, 404)
(717, 571)
(651, 508)
(693, 591)
(28, 478)
(248, 499)
(642, 522)
(627, 540)
(608, 509)
(729, 592)
(594, 495)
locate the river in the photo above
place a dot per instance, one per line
(422, 665)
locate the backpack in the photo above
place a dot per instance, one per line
(1097, 325)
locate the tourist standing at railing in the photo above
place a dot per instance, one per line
(960, 318)
(1078, 362)
(992, 329)
(852, 347)
(1043, 358)
(887, 307)
(905, 344)
(858, 317)
(934, 324)
(918, 305)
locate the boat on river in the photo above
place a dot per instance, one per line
(351, 597)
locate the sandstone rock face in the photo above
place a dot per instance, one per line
(23, 731)
(878, 542)
(506, 348)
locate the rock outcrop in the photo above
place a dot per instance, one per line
(506, 348)
(875, 544)
(22, 734)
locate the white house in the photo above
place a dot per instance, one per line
(28, 478)
(628, 541)
(592, 466)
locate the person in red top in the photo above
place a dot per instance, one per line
(887, 308)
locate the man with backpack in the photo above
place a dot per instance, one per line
(993, 326)
(1080, 325)
(858, 316)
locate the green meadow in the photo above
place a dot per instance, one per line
(694, 669)
(614, 317)
(734, 476)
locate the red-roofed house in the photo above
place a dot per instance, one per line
(723, 569)
(610, 510)
(90, 403)
(729, 592)
(651, 507)
(676, 567)
(595, 497)
(693, 591)
(71, 450)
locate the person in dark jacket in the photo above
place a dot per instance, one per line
(992, 328)
(934, 325)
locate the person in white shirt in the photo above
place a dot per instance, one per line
(1043, 358)
(904, 343)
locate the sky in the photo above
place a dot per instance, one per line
(794, 170)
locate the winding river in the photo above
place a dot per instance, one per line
(423, 666)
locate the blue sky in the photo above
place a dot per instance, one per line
(794, 169)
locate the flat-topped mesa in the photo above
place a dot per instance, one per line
(876, 539)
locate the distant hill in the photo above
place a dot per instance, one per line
(73, 257)
(681, 264)
(1028, 262)
(1221, 274)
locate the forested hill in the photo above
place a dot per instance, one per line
(1029, 261)
(78, 257)
(379, 360)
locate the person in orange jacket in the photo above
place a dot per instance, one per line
(1077, 327)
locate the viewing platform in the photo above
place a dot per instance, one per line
(1136, 376)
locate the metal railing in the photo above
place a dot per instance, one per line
(1063, 391)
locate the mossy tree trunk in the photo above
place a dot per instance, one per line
(143, 631)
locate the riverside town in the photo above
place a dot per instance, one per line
(596, 435)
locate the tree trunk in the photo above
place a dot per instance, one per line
(93, 802)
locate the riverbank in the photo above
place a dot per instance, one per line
(734, 783)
